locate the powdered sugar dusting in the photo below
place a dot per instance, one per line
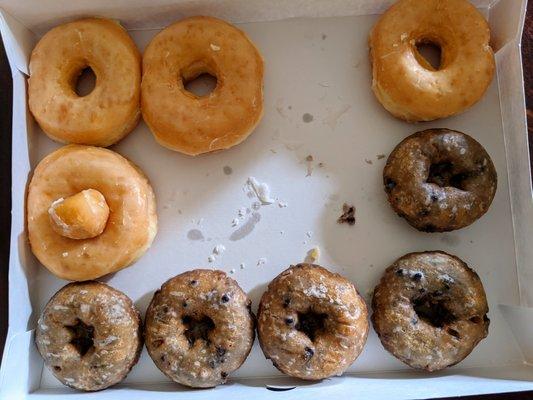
(316, 291)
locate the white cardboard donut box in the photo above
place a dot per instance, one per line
(316, 64)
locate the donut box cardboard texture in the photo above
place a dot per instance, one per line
(318, 102)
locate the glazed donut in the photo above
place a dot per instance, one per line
(439, 180)
(311, 323)
(429, 310)
(405, 83)
(199, 328)
(191, 124)
(89, 335)
(90, 212)
(112, 109)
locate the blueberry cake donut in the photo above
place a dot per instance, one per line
(430, 310)
(311, 323)
(89, 335)
(199, 328)
(439, 180)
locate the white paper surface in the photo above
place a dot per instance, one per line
(318, 67)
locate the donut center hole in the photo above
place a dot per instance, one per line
(432, 309)
(311, 323)
(442, 174)
(82, 336)
(197, 329)
(429, 54)
(201, 84)
(85, 82)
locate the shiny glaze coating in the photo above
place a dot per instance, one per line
(407, 85)
(112, 109)
(191, 124)
(130, 227)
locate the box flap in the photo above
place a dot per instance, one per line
(18, 42)
(140, 14)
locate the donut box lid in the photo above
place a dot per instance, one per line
(316, 64)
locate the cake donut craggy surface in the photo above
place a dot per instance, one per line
(191, 124)
(199, 328)
(311, 323)
(112, 109)
(89, 335)
(430, 310)
(405, 83)
(90, 212)
(440, 180)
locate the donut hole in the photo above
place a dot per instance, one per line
(82, 336)
(443, 175)
(429, 54)
(311, 324)
(432, 308)
(199, 79)
(197, 328)
(84, 82)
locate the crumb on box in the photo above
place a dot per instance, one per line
(219, 249)
(313, 255)
(348, 215)
(309, 160)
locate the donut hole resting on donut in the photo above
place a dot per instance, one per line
(83, 215)
(84, 82)
(311, 323)
(199, 79)
(197, 329)
(443, 175)
(82, 336)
